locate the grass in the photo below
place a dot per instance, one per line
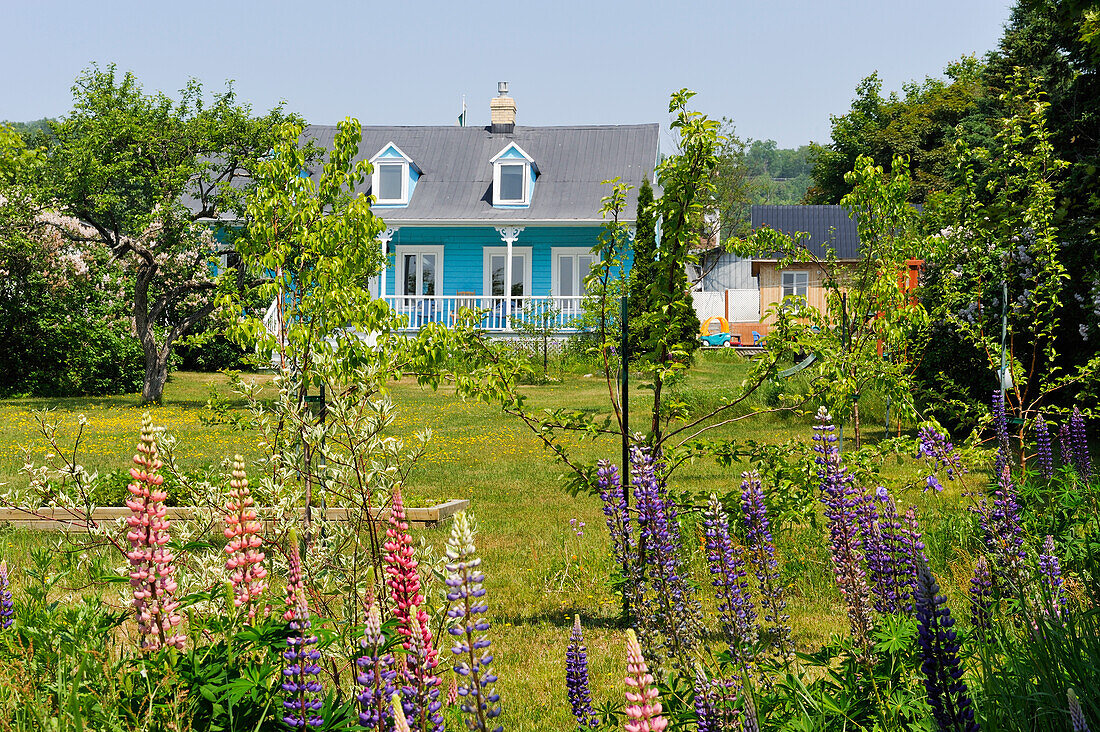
(540, 573)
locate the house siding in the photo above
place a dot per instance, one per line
(771, 286)
(463, 260)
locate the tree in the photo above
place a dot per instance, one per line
(61, 322)
(148, 174)
(919, 126)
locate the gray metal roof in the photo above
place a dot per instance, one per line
(828, 226)
(457, 179)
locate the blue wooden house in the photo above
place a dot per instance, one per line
(500, 218)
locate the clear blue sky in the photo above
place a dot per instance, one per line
(778, 68)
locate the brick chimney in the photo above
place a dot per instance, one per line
(502, 110)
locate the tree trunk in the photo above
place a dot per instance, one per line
(156, 374)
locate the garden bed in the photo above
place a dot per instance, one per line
(60, 519)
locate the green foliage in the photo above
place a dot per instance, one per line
(918, 126)
(642, 271)
(144, 174)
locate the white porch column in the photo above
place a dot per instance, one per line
(509, 234)
(384, 238)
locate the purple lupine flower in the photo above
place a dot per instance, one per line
(878, 531)
(1004, 534)
(908, 556)
(301, 680)
(1000, 425)
(947, 694)
(7, 604)
(761, 548)
(845, 506)
(1081, 459)
(420, 692)
(620, 528)
(935, 448)
(1065, 444)
(467, 597)
(376, 674)
(715, 704)
(1042, 446)
(1051, 571)
(576, 678)
(1076, 714)
(981, 596)
(673, 609)
(727, 569)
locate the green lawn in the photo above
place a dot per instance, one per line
(539, 572)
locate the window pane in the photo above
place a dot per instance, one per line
(410, 275)
(565, 276)
(496, 267)
(511, 182)
(517, 275)
(389, 176)
(427, 265)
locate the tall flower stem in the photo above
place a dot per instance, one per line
(643, 708)
(466, 595)
(152, 575)
(947, 695)
(245, 562)
(576, 677)
(761, 548)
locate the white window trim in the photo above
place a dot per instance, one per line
(399, 266)
(794, 287)
(555, 270)
(487, 271)
(376, 175)
(528, 164)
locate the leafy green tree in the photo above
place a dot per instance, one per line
(148, 174)
(688, 187)
(918, 126)
(61, 322)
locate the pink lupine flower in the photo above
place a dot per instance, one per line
(245, 562)
(403, 579)
(643, 708)
(295, 587)
(151, 577)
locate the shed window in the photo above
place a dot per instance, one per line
(796, 284)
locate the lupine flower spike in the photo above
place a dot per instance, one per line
(151, 559)
(761, 548)
(727, 569)
(400, 722)
(674, 610)
(1004, 533)
(421, 689)
(941, 454)
(376, 674)
(576, 677)
(981, 595)
(245, 562)
(947, 695)
(467, 597)
(7, 605)
(1051, 571)
(301, 675)
(643, 708)
(1081, 459)
(845, 509)
(1065, 445)
(452, 692)
(1076, 714)
(403, 579)
(1042, 448)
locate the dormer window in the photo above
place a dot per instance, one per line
(394, 178)
(514, 173)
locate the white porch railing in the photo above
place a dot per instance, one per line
(498, 314)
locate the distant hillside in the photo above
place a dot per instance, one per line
(28, 130)
(777, 175)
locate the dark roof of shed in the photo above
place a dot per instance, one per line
(828, 226)
(457, 179)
